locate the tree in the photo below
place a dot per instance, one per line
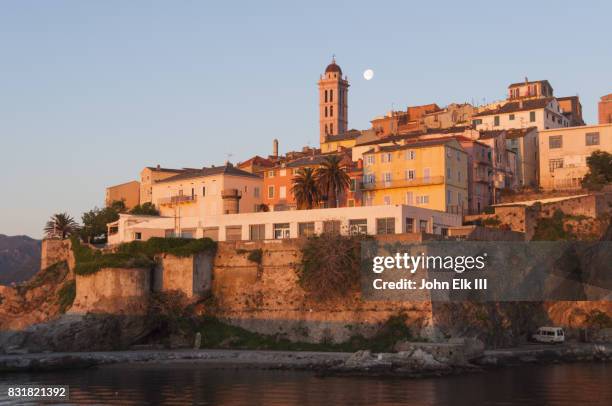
(600, 170)
(332, 179)
(95, 221)
(60, 225)
(147, 209)
(305, 189)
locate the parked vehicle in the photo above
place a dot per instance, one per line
(551, 335)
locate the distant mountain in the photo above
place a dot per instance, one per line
(19, 258)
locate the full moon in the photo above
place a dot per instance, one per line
(368, 74)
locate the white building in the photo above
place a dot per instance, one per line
(371, 220)
(543, 113)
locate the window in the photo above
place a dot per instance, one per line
(496, 121)
(358, 227)
(426, 175)
(409, 198)
(203, 191)
(422, 199)
(458, 153)
(459, 199)
(532, 116)
(476, 122)
(459, 176)
(385, 157)
(554, 164)
(331, 128)
(449, 196)
(192, 192)
(385, 225)
(326, 96)
(233, 233)
(410, 155)
(331, 227)
(555, 141)
(448, 173)
(331, 95)
(270, 192)
(282, 192)
(271, 174)
(331, 111)
(410, 174)
(423, 226)
(325, 111)
(387, 177)
(306, 229)
(256, 191)
(350, 202)
(511, 117)
(138, 236)
(257, 232)
(283, 172)
(281, 231)
(409, 225)
(592, 138)
(387, 200)
(370, 159)
(369, 178)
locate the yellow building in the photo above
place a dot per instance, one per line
(564, 151)
(426, 173)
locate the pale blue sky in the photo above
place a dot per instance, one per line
(90, 92)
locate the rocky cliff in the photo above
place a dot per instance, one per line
(19, 258)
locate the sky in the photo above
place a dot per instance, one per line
(91, 92)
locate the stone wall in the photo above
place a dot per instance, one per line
(54, 251)
(267, 298)
(190, 275)
(113, 291)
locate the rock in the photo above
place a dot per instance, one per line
(425, 360)
(472, 347)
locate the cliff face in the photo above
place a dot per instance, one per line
(19, 258)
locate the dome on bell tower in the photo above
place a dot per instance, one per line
(333, 67)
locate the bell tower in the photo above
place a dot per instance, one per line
(333, 94)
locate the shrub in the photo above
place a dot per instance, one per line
(598, 319)
(552, 229)
(66, 295)
(492, 222)
(255, 256)
(330, 265)
(136, 254)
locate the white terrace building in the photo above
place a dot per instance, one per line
(388, 219)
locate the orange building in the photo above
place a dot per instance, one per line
(278, 181)
(397, 122)
(605, 109)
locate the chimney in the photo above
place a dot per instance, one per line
(275, 148)
(158, 166)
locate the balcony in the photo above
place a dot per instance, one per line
(394, 184)
(173, 200)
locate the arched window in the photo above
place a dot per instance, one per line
(331, 95)
(331, 111)
(326, 132)
(325, 111)
(326, 96)
(331, 128)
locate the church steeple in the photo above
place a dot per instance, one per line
(333, 94)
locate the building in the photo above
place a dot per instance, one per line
(572, 110)
(452, 115)
(207, 192)
(389, 219)
(563, 154)
(428, 173)
(503, 161)
(400, 122)
(278, 181)
(530, 90)
(333, 97)
(151, 174)
(480, 173)
(336, 142)
(542, 113)
(256, 164)
(524, 143)
(605, 109)
(128, 192)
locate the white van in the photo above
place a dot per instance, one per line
(549, 335)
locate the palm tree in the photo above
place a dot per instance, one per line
(332, 179)
(60, 225)
(305, 189)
